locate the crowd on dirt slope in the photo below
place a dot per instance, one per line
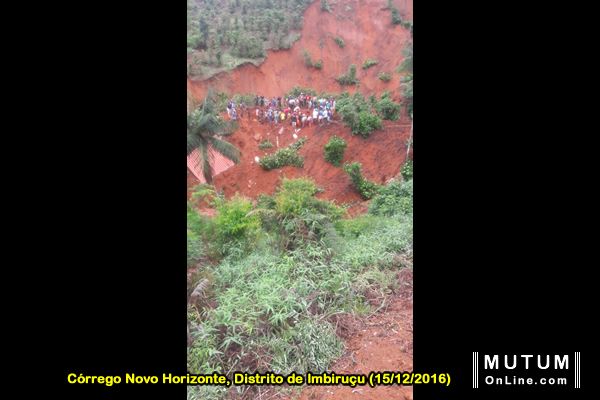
(303, 110)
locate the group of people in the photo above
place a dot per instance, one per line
(232, 110)
(301, 111)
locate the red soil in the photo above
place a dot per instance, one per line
(366, 28)
(382, 155)
(384, 341)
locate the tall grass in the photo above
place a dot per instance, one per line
(272, 307)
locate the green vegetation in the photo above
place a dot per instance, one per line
(247, 99)
(387, 108)
(369, 63)
(340, 42)
(407, 170)
(310, 63)
(385, 76)
(365, 117)
(334, 150)
(295, 92)
(325, 6)
(275, 303)
(396, 18)
(349, 78)
(357, 114)
(395, 198)
(395, 13)
(366, 188)
(203, 126)
(286, 156)
(235, 226)
(265, 144)
(224, 34)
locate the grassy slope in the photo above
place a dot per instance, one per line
(273, 297)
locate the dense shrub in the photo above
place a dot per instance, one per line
(286, 156)
(265, 144)
(407, 170)
(385, 76)
(325, 6)
(357, 114)
(367, 189)
(395, 198)
(293, 196)
(369, 63)
(348, 78)
(396, 18)
(233, 220)
(367, 123)
(340, 42)
(334, 150)
(387, 108)
(236, 227)
(248, 47)
(281, 158)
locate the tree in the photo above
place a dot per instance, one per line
(203, 126)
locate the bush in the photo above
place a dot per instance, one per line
(286, 156)
(407, 170)
(297, 145)
(307, 59)
(281, 158)
(325, 6)
(369, 63)
(340, 42)
(265, 144)
(395, 198)
(367, 189)
(396, 18)
(334, 150)
(385, 76)
(293, 196)
(348, 78)
(356, 113)
(367, 123)
(310, 63)
(387, 108)
(295, 92)
(234, 222)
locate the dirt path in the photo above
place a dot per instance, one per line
(381, 343)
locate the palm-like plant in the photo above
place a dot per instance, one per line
(204, 126)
